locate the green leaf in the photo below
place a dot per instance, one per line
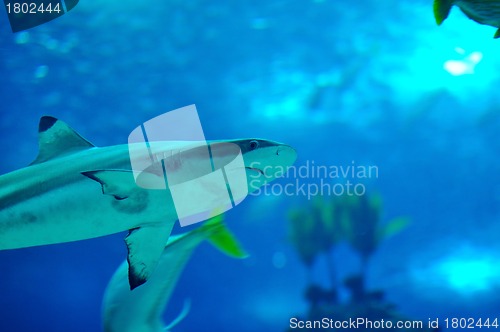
(393, 227)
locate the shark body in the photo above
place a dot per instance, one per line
(141, 310)
(75, 191)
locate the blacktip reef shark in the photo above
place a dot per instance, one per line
(141, 310)
(75, 191)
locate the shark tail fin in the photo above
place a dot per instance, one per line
(222, 238)
(442, 10)
(183, 314)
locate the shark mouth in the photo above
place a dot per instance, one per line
(255, 170)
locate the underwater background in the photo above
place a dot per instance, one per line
(368, 83)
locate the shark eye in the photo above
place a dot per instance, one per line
(254, 145)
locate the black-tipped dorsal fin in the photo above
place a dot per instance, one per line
(56, 138)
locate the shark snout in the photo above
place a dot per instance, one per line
(286, 150)
(286, 154)
(276, 163)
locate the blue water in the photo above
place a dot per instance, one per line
(374, 83)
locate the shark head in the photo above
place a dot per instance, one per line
(264, 160)
(259, 160)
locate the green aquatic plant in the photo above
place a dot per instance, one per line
(362, 226)
(318, 227)
(314, 230)
(302, 231)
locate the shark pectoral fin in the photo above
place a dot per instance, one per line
(117, 183)
(145, 246)
(497, 34)
(56, 138)
(222, 238)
